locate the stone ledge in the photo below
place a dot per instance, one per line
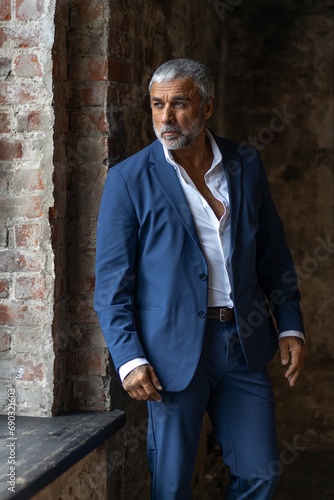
(46, 447)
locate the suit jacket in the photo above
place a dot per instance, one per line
(151, 275)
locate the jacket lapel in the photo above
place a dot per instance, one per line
(233, 170)
(167, 178)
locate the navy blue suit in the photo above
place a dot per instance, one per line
(151, 274)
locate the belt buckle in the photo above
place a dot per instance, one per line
(221, 315)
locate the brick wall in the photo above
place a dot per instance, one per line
(73, 78)
(112, 50)
(279, 95)
(26, 148)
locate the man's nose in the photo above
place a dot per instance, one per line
(168, 115)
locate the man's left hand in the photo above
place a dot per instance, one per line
(292, 349)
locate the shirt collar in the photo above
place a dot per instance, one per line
(217, 155)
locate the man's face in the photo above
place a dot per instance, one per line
(177, 113)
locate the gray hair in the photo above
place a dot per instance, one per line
(181, 69)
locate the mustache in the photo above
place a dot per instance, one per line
(170, 128)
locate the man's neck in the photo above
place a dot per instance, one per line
(197, 156)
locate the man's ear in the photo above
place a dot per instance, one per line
(207, 109)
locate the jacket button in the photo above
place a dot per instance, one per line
(202, 314)
(203, 276)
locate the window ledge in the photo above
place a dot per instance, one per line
(46, 447)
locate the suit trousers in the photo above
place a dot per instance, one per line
(240, 405)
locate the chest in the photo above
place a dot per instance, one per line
(215, 204)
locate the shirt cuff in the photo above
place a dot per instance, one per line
(125, 369)
(292, 333)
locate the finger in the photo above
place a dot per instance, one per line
(154, 379)
(284, 348)
(150, 393)
(139, 385)
(297, 363)
(137, 394)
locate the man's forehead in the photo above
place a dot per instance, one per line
(177, 88)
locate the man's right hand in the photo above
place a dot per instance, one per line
(142, 384)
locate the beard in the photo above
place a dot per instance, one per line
(183, 136)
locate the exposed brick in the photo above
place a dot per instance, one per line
(5, 178)
(12, 261)
(27, 340)
(29, 9)
(20, 92)
(24, 206)
(3, 236)
(62, 394)
(81, 311)
(20, 36)
(85, 150)
(82, 285)
(57, 232)
(29, 121)
(61, 14)
(61, 121)
(4, 288)
(5, 66)
(27, 66)
(120, 21)
(21, 369)
(89, 122)
(30, 288)
(5, 10)
(86, 228)
(60, 284)
(30, 370)
(28, 235)
(60, 65)
(118, 42)
(89, 391)
(89, 94)
(88, 69)
(86, 363)
(22, 315)
(86, 12)
(87, 335)
(3, 35)
(87, 42)
(10, 150)
(5, 123)
(29, 180)
(5, 341)
(118, 71)
(59, 157)
(61, 93)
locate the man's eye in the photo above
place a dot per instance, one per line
(179, 104)
(158, 105)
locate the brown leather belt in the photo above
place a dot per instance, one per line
(221, 313)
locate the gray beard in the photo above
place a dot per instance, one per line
(186, 137)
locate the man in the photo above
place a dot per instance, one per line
(189, 244)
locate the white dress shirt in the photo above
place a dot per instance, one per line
(213, 234)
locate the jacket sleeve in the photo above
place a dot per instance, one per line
(116, 245)
(275, 268)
